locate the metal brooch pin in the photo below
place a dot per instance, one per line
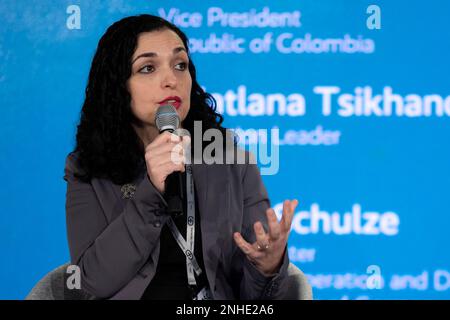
(128, 190)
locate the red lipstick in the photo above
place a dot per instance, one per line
(172, 100)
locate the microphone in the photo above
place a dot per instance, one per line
(167, 119)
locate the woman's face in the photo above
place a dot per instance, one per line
(159, 70)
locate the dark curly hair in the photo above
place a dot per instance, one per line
(107, 146)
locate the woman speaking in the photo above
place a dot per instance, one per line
(225, 243)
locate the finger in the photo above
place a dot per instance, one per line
(163, 149)
(274, 226)
(242, 244)
(176, 157)
(164, 137)
(261, 236)
(162, 170)
(283, 215)
(290, 216)
(248, 249)
(186, 140)
(162, 152)
(287, 216)
(170, 167)
(161, 139)
(294, 204)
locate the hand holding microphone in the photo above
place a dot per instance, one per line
(159, 157)
(165, 159)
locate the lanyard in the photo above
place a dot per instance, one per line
(187, 246)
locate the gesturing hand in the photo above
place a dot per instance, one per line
(267, 251)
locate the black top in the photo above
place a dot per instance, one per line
(170, 281)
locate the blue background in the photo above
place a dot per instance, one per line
(384, 164)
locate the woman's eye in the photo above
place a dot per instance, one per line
(146, 69)
(149, 68)
(182, 66)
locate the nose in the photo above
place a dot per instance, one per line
(169, 80)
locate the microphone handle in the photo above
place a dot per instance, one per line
(174, 193)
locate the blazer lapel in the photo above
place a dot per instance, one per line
(210, 221)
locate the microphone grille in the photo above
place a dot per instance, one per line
(167, 118)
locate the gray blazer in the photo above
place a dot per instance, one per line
(115, 241)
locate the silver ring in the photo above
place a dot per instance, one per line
(264, 247)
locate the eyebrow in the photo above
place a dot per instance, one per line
(154, 54)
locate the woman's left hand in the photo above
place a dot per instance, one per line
(267, 251)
